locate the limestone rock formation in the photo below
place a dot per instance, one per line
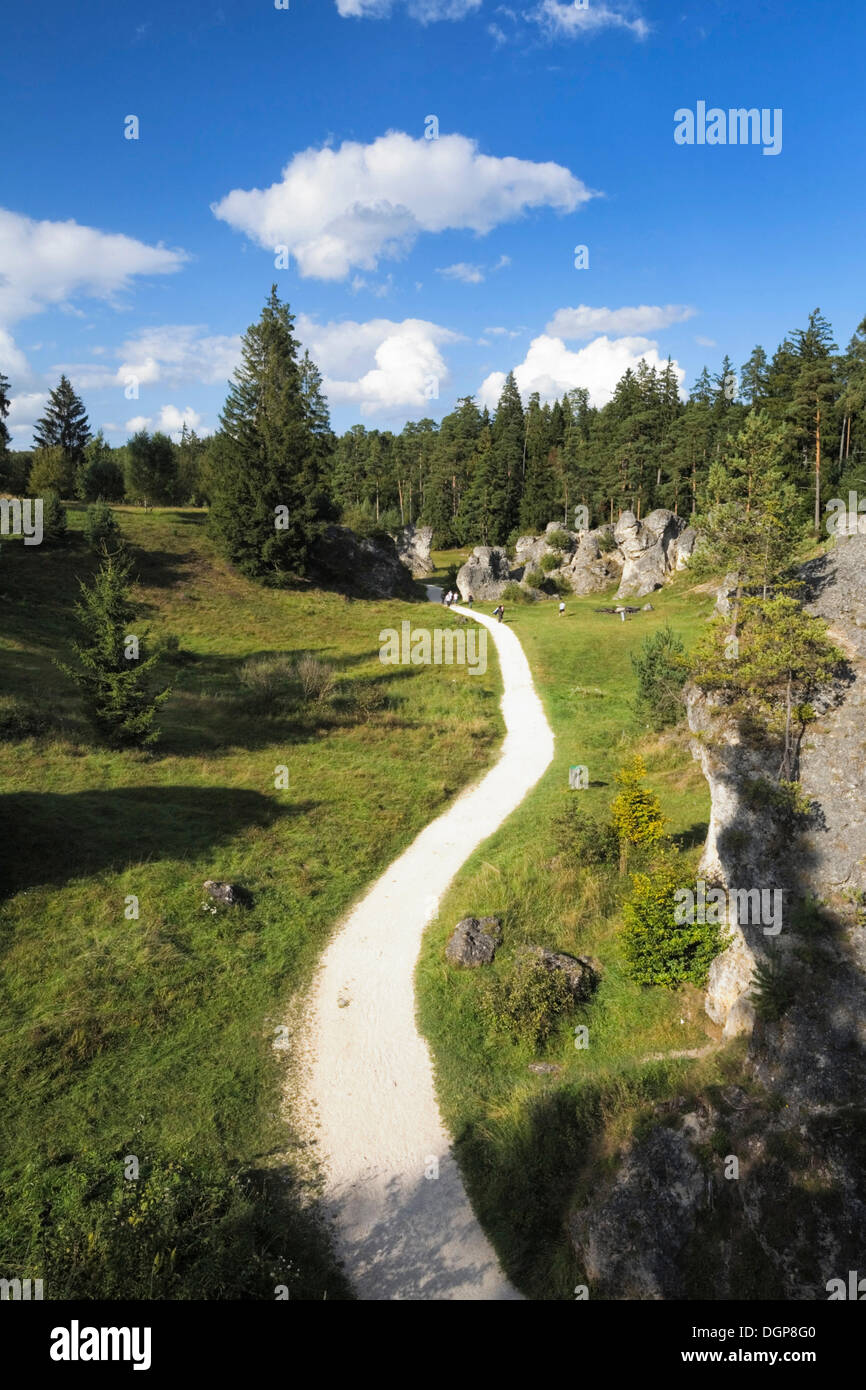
(413, 549)
(485, 573)
(650, 549)
(364, 565)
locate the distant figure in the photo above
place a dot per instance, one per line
(561, 609)
(469, 602)
(499, 612)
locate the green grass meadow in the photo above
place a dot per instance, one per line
(530, 1144)
(153, 1036)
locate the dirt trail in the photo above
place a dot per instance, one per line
(401, 1233)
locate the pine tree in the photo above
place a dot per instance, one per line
(111, 672)
(64, 424)
(754, 378)
(151, 467)
(813, 393)
(268, 503)
(509, 439)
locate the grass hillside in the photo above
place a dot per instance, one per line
(530, 1143)
(152, 1038)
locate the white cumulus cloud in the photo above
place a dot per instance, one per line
(25, 410)
(172, 355)
(382, 366)
(45, 263)
(551, 369)
(564, 19)
(426, 11)
(586, 322)
(346, 208)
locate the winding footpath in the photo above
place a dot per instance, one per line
(401, 1232)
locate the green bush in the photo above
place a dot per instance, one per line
(584, 839)
(533, 579)
(661, 667)
(101, 528)
(606, 542)
(515, 593)
(559, 540)
(527, 1000)
(658, 950)
(636, 811)
(269, 682)
(773, 991)
(550, 562)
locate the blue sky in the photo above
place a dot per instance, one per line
(419, 270)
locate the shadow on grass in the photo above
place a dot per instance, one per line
(50, 838)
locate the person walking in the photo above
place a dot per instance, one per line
(499, 612)
(470, 601)
(561, 609)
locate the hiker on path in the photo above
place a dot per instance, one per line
(499, 612)
(470, 601)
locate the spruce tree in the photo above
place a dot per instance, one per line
(64, 424)
(111, 672)
(509, 440)
(268, 503)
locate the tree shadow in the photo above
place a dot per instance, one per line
(49, 838)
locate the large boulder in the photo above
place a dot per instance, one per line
(413, 548)
(649, 550)
(368, 566)
(474, 941)
(485, 573)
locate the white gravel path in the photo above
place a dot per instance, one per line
(369, 1083)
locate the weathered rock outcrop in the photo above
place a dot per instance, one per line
(650, 549)
(630, 1239)
(592, 569)
(578, 971)
(413, 548)
(364, 565)
(485, 573)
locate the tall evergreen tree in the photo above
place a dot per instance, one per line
(64, 424)
(268, 503)
(5, 437)
(509, 443)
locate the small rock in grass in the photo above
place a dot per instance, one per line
(228, 893)
(474, 941)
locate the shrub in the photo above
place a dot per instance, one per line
(560, 584)
(527, 1000)
(636, 811)
(661, 669)
(773, 991)
(583, 838)
(269, 681)
(658, 950)
(550, 562)
(533, 579)
(101, 528)
(22, 719)
(606, 542)
(317, 679)
(559, 540)
(515, 593)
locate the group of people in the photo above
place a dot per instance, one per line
(452, 596)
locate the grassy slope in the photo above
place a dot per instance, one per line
(529, 1144)
(123, 1036)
